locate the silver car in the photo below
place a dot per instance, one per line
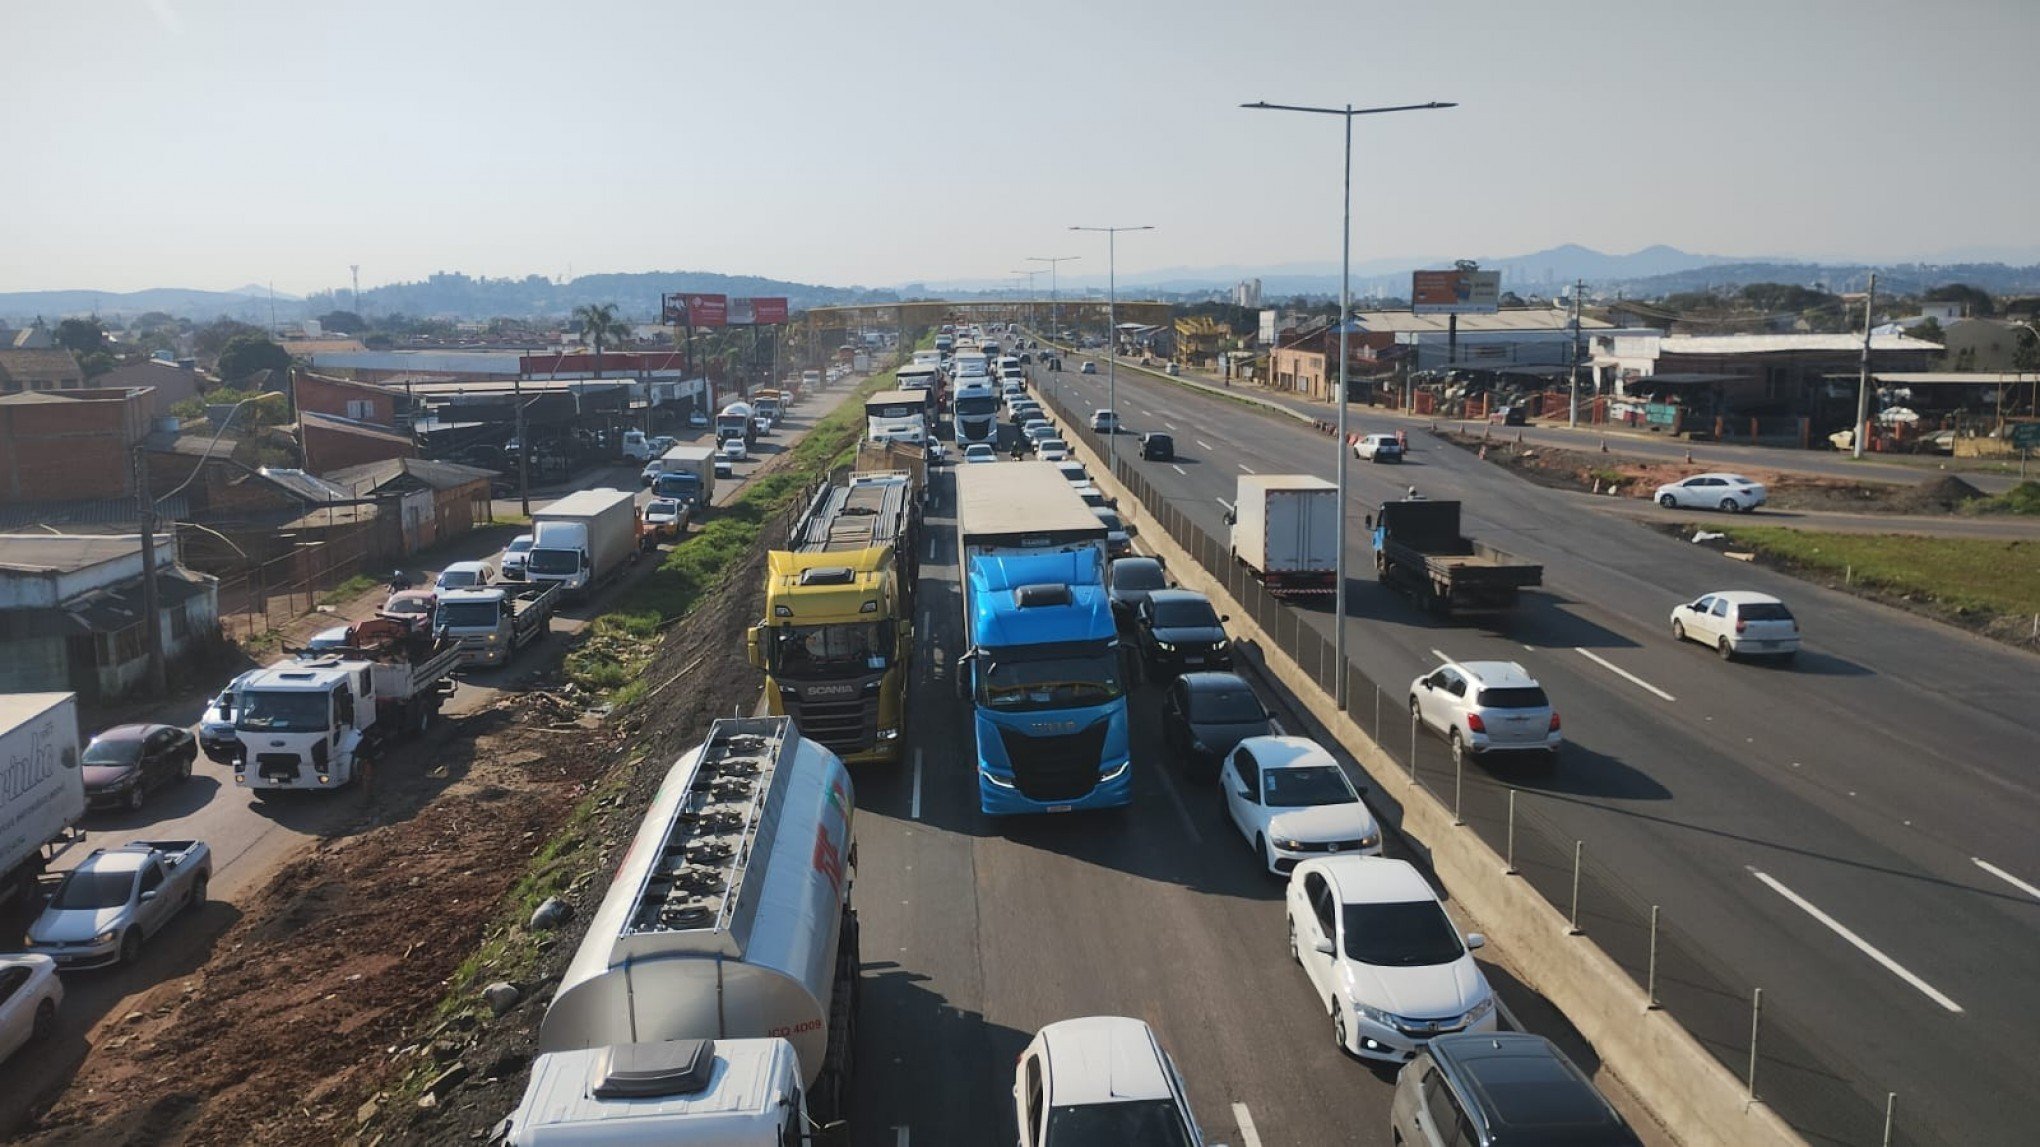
(1731, 493)
(1484, 707)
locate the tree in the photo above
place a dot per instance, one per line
(1929, 330)
(1980, 304)
(245, 354)
(81, 336)
(2026, 356)
(599, 325)
(213, 338)
(343, 322)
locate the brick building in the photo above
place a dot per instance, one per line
(70, 445)
(173, 383)
(355, 401)
(332, 443)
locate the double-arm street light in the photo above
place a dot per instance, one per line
(1112, 332)
(1054, 304)
(1345, 325)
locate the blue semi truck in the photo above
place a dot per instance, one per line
(1043, 671)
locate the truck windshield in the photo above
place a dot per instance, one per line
(553, 562)
(282, 712)
(1130, 1123)
(808, 651)
(1061, 676)
(89, 890)
(468, 614)
(676, 485)
(978, 406)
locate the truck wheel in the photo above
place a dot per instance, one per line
(45, 1021)
(197, 901)
(131, 946)
(423, 721)
(184, 768)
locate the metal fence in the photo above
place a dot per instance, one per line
(279, 591)
(1763, 1040)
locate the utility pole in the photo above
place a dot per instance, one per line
(152, 608)
(523, 447)
(1863, 382)
(1112, 330)
(1579, 287)
(1054, 301)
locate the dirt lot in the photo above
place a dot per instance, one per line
(1577, 470)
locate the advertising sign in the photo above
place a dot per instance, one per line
(1455, 292)
(707, 310)
(740, 312)
(768, 311)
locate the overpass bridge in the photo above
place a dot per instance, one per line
(912, 318)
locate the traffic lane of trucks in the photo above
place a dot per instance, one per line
(1763, 779)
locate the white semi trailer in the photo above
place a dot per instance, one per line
(712, 999)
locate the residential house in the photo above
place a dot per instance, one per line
(70, 445)
(434, 501)
(71, 615)
(28, 369)
(334, 443)
(172, 383)
(36, 336)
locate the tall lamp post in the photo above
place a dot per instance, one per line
(1030, 292)
(1054, 301)
(1345, 326)
(1112, 331)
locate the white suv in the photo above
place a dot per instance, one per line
(1105, 421)
(1483, 707)
(1101, 1079)
(1386, 961)
(1738, 623)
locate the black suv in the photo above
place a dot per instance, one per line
(1157, 447)
(1502, 1087)
(1206, 715)
(1177, 631)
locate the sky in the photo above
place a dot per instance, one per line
(216, 143)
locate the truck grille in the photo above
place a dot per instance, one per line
(839, 726)
(1063, 766)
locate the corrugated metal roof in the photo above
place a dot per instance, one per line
(1782, 344)
(69, 553)
(1403, 322)
(371, 476)
(1957, 377)
(309, 487)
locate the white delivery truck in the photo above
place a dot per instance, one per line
(1285, 530)
(42, 787)
(582, 540)
(712, 1000)
(686, 473)
(317, 722)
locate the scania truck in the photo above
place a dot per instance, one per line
(1042, 670)
(836, 642)
(713, 999)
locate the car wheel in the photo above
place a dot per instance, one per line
(131, 946)
(197, 901)
(1416, 712)
(1458, 748)
(1294, 953)
(1729, 506)
(1667, 501)
(1678, 630)
(46, 1014)
(1338, 1027)
(184, 767)
(1726, 650)
(135, 797)
(1261, 846)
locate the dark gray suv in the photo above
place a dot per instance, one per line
(1490, 1089)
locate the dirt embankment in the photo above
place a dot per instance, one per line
(325, 994)
(1633, 478)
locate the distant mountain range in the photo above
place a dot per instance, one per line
(1650, 272)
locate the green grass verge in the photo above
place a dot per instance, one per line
(1981, 574)
(351, 588)
(2023, 498)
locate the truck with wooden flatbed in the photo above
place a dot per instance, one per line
(320, 722)
(1419, 549)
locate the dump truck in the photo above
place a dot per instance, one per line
(1285, 531)
(726, 938)
(490, 625)
(836, 642)
(42, 786)
(582, 540)
(319, 722)
(1418, 548)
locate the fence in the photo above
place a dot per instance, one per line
(1764, 1041)
(279, 591)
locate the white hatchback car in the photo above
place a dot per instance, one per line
(465, 575)
(1051, 449)
(1073, 472)
(1292, 801)
(30, 994)
(1099, 1080)
(1732, 493)
(1378, 448)
(1384, 957)
(1487, 707)
(1738, 623)
(979, 452)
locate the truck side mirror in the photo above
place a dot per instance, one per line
(752, 638)
(1370, 521)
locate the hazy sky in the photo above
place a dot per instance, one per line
(212, 143)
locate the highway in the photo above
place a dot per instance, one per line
(1853, 834)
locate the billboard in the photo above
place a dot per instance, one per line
(756, 312)
(1455, 292)
(695, 310)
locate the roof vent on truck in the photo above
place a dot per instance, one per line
(826, 575)
(1044, 593)
(655, 1070)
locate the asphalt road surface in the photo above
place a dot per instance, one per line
(1853, 834)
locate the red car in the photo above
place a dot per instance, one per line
(412, 607)
(122, 764)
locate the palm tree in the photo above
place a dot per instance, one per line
(599, 325)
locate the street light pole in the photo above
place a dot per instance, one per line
(1112, 333)
(1345, 325)
(1054, 300)
(1030, 291)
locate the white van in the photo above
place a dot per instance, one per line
(1101, 1079)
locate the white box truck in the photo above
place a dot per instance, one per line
(583, 539)
(1285, 529)
(686, 473)
(42, 787)
(712, 999)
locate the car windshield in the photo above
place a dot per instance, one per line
(809, 651)
(1226, 707)
(1130, 1123)
(519, 544)
(1137, 575)
(1194, 614)
(88, 890)
(468, 615)
(120, 751)
(1764, 611)
(1054, 444)
(1408, 934)
(554, 561)
(1062, 676)
(1514, 697)
(458, 579)
(662, 509)
(276, 712)
(1306, 786)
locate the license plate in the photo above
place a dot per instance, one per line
(1060, 807)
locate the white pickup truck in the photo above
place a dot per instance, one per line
(118, 897)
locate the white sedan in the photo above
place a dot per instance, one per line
(1292, 801)
(1051, 449)
(979, 452)
(1732, 493)
(734, 450)
(30, 995)
(1385, 960)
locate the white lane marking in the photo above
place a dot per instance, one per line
(1440, 655)
(1246, 469)
(1203, 443)
(1248, 1136)
(1179, 469)
(1862, 945)
(1169, 424)
(1182, 810)
(2007, 877)
(916, 811)
(1223, 502)
(1625, 674)
(901, 1133)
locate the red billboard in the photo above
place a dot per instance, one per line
(766, 312)
(707, 310)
